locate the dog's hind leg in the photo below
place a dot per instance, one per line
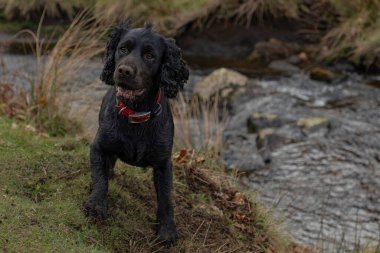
(163, 183)
(101, 166)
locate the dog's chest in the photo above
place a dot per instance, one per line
(135, 151)
(139, 146)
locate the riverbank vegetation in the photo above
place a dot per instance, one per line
(345, 30)
(41, 104)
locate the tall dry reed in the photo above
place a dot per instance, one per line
(82, 41)
(199, 125)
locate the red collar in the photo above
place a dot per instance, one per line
(140, 117)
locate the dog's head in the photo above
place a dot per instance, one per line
(140, 60)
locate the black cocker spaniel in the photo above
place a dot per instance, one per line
(135, 122)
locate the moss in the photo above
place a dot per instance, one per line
(312, 124)
(321, 74)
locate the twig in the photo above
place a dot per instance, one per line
(196, 232)
(67, 176)
(208, 228)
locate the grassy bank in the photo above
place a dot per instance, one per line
(44, 182)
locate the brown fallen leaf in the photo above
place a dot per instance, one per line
(238, 200)
(240, 217)
(182, 156)
(200, 159)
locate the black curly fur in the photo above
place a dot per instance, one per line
(173, 73)
(109, 64)
(146, 144)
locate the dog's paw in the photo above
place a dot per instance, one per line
(95, 210)
(167, 233)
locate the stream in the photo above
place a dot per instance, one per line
(323, 181)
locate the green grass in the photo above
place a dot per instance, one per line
(40, 212)
(44, 182)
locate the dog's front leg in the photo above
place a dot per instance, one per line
(163, 183)
(101, 166)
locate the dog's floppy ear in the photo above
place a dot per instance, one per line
(109, 64)
(173, 73)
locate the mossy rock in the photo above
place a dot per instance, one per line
(321, 74)
(218, 81)
(310, 125)
(258, 121)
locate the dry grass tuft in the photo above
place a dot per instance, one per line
(249, 10)
(357, 36)
(199, 125)
(111, 12)
(32, 9)
(166, 15)
(79, 43)
(243, 12)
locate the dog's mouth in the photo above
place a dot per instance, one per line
(129, 94)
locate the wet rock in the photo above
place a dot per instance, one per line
(266, 141)
(258, 121)
(291, 133)
(223, 82)
(310, 92)
(273, 50)
(311, 125)
(269, 140)
(344, 67)
(294, 59)
(321, 74)
(242, 154)
(283, 66)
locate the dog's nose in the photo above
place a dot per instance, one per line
(126, 70)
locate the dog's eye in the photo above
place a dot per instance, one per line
(124, 49)
(148, 56)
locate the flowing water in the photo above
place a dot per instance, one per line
(324, 181)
